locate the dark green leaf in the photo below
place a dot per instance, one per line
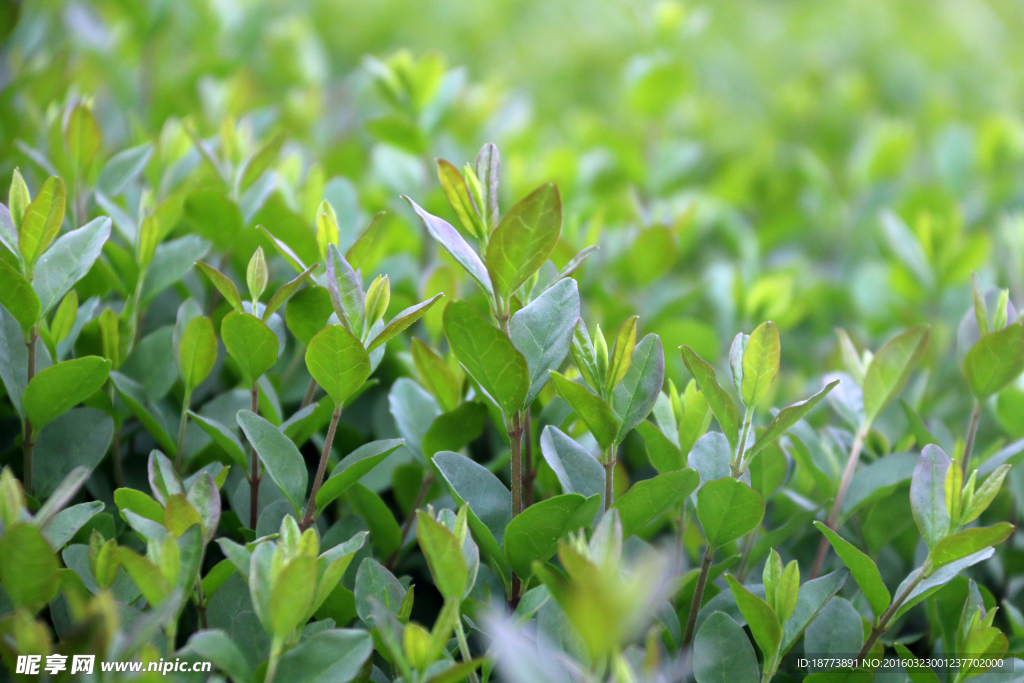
(488, 355)
(648, 499)
(533, 535)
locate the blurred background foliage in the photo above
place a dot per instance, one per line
(819, 164)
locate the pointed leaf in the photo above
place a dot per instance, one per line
(449, 238)
(524, 239)
(61, 387)
(722, 405)
(863, 569)
(890, 368)
(488, 355)
(402, 321)
(279, 455)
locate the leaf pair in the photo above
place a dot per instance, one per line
(515, 249)
(361, 313)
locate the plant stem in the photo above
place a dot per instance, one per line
(515, 436)
(27, 441)
(609, 481)
(972, 431)
(738, 467)
(883, 621)
(307, 519)
(529, 474)
(201, 603)
(254, 474)
(844, 484)
(748, 545)
(115, 442)
(407, 524)
(698, 594)
(310, 393)
(275, 656)
(460, 634)
(181, 429)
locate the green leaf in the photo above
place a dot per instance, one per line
(279, 455)
(785, 419)
(449, 238)
(622, 352)
(134, 397)
(487, 164)
(139, 503)
(402, 321)
(813, 596)
(490, 504)
(82, 136)
(335, 655)
(28, 567)
(968, 542)
(452, 431)
(146, 575)
(338, 362)
(722, 405)
(761, 618)
(890, 368)
(710, 457)
(984, 495)
(251, 343)
(63, 526)
(648, 499)
(285, 292)
(122, 168)
(760, 363)
(18, 297)
(436, 376)
(664, 455)
(488, 355)
(837, 630)
(927, 494)
(593, 410)
(995, 360)
(197, 351)
(524, 239)
(61, 387)
(67, 261)
(353, 467)
(223, 437)
(346, 290)
(577, 470)
(374, 583)
(307, 312)
(728, 509)
(638, 390)
(542, 331)
(457, 193)
(260, 161)
(364, 245)
(224, 285)
(291, 595)
(918, 672)
(444, 556)
(384, 530)
(863, 569)
(216, 646)
(42, 220)
(79, 437)
(171, 262)
(533, 535)
(722, 653)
